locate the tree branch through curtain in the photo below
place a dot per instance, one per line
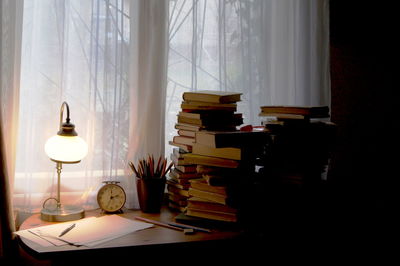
(273, 51)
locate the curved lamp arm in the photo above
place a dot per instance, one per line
(67, 128)
(61, 113)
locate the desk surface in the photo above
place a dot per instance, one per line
(154, 236)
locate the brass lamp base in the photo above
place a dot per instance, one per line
(62, 214)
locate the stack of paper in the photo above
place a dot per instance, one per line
(86, 232)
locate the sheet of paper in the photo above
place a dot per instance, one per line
(53, 230)
(105, 227)
(88, 232)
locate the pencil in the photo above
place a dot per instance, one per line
(146, 167)
(166, 170)
(133, 169)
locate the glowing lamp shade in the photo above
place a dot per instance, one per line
(66, 149)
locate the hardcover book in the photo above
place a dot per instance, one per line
(212, 96)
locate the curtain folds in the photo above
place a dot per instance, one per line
(10, 56)
(148, 75)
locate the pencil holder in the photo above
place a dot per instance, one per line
(150, 193)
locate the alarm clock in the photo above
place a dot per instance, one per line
(111, 197)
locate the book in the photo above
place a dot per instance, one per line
(202, 106)
(219, 216)
(206, 169)
(213, 122)
(202, 184)
(212, 96)
(181, 175)
(215, 180)
(174, 206)
(186, 133)
(280, 116)
(184, 140)
(206, 205)
(188, 127)
(177, 189)
(221, 139)
(179, 161)
(227, 152)
(207, 223)
(211, 196)
(212, 161)
(213, 115)
(186, 168)
(183, 182)
(310, 111)
(178, 199)
(184, 147)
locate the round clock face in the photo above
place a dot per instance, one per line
(111, 198)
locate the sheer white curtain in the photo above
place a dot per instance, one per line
(10, 64)
(10, 46)
(81, 52)
(273, 51)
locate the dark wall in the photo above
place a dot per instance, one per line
(364, 79)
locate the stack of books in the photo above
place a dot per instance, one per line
(178, 180)
(288, 113)
(192, 183)
(210, 197)
(302, 141)
(205, 110)
(223, 158)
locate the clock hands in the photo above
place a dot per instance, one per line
(112, 197)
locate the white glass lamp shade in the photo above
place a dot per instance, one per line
(66, 149)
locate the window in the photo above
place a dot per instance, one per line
(75, 51)
(272, 51)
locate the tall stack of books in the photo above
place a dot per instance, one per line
(203, 111)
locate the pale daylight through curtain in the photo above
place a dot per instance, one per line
(273, 51)
(74, 51)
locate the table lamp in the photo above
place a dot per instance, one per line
(64, 148)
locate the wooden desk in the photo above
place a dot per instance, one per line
(157, 240)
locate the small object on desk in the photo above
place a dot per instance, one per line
(188, 231)
(159, 223)
(184, 226)
(150, 182)
(67, 230)
(111, 197)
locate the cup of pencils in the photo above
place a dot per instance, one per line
(150, 182)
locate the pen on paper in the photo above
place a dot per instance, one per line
(67, 230)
